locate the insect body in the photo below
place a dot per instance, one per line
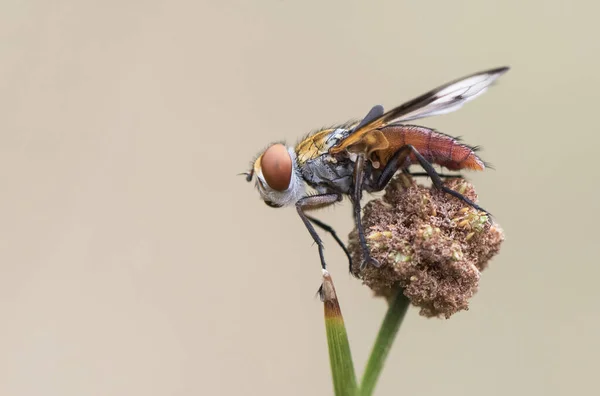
(364, 156)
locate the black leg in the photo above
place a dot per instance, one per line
(395, 163)
(442, 175)
(356, 196)
(330, 230)
(398, 160)
(315, 202)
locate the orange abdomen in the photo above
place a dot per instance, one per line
(436, 147)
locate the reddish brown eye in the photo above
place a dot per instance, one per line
(276, 165)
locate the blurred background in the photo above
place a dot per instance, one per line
(133, 260)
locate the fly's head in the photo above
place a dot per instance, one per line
(278, 179)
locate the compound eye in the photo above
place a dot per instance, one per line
(276, 165)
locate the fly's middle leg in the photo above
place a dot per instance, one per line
(356, 196)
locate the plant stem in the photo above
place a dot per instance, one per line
(383, 343)
(340, 358)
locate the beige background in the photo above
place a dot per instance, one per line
(133, 260)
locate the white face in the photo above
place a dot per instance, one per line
(277, 177)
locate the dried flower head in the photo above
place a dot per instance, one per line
(429, 243)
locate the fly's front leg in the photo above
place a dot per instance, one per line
(330, 230)
(315, 202)
(397, 161)
(356, 197)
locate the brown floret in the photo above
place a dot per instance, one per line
(430, 244)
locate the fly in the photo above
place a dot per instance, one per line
(359, 156)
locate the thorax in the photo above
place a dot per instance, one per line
(323, 171)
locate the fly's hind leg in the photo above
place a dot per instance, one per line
(397, 161)
(442, 175)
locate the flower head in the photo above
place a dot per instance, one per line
(429, 243)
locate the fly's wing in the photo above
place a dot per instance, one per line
(441, 100)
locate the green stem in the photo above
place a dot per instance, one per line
(383, 343)
(340, 358)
